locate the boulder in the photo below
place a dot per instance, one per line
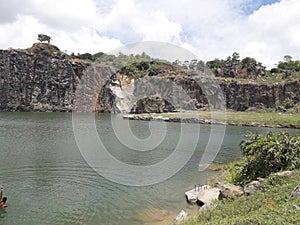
(231, 189)
(252, 186)
(208, 196)
(284, 173)
(296, 192)
(205, 207)
(191, 195)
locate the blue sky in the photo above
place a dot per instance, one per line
(252, 6)
(264, 29)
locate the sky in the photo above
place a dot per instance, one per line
(264, 29)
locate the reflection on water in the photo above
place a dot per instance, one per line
(48, 182)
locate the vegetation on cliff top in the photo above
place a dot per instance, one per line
(140, 65)
(231, 69)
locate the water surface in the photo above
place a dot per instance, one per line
(47, 181)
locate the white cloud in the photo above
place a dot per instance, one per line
(20, 33)
(274, 31)
(85, 40)
(70, 23)
(66, 14)
(210, 29)
(160, 29)
(135, 22)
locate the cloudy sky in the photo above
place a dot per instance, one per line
(264, 29)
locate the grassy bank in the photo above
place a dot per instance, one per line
(240, 118)
(271, 204)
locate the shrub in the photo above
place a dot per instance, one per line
(267, 154)
(274, 70)
(286, 105)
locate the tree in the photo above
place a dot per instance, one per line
(193, 64)
(249, 63)
(289, 64)
(235, 58)
(44, 38)
(201, 65)
(287, 58)
(216, 63)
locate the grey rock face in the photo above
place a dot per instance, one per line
(36, 83)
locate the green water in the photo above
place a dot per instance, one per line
(47, 181)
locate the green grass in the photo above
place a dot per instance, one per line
(271, 204)
(268, 79)
(240, 118)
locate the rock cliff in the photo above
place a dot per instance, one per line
(42, 78)
(38, 79)
(194, 93)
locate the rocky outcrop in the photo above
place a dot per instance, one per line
(39, 80)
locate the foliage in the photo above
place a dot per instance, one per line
(296, 108)
(249, 63)
(215, 64)
(234, 67)
(150, 68)
(288, 64)
(274, 70)
(44, 38)
(292, 65)
(267, 154)
(194, 64)
(286, 105)
(88, 56)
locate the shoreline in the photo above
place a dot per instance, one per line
(163, 118)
